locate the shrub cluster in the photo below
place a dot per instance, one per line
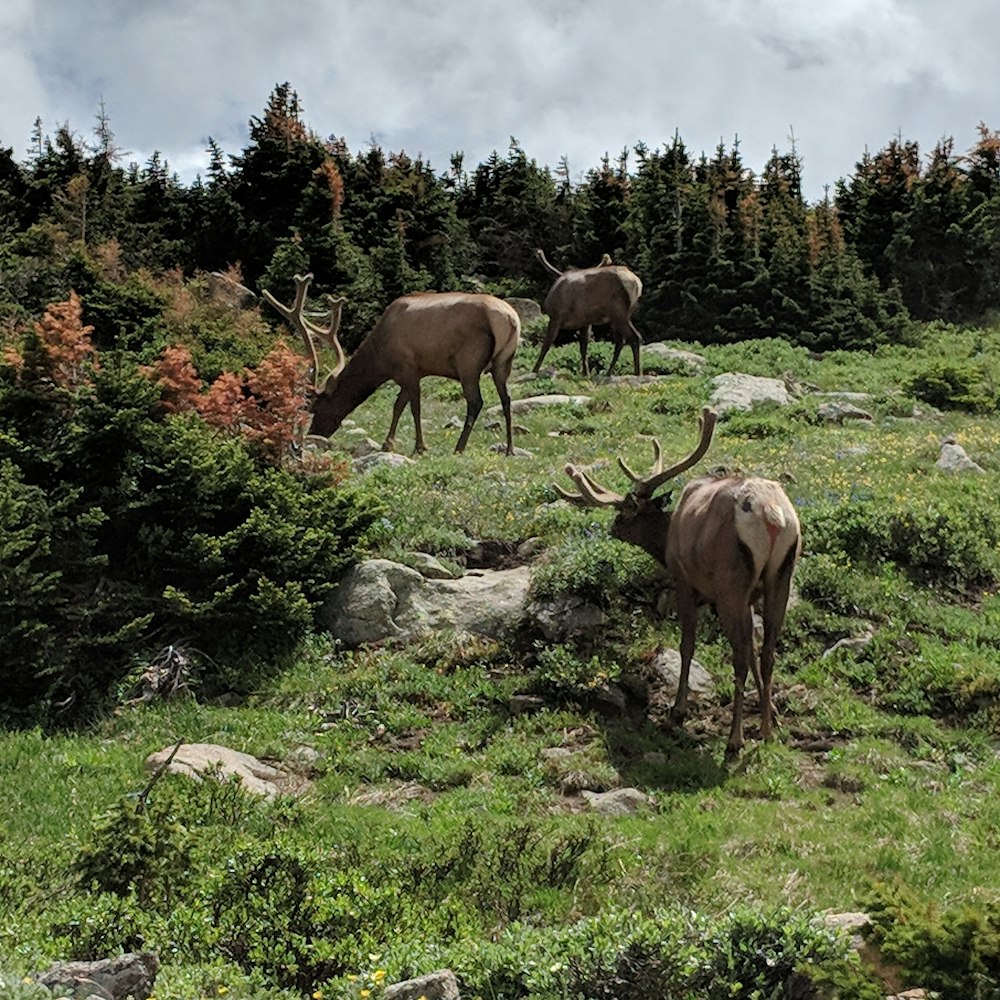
(127, 529)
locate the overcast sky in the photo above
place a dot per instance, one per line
(572, 78)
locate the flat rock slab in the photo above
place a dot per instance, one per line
(200, 760)
(541, 402)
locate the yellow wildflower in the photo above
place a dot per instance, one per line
(378, 975)
(366, 993)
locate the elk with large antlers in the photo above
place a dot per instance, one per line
(592, 296)
(457, 335)
(730, 541)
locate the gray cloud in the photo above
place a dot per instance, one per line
(575, 78)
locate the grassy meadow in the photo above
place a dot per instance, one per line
(439, 832)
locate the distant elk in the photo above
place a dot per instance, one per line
(592, 296)
(731, 541)
(456, 335)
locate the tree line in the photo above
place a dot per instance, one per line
(725, 253)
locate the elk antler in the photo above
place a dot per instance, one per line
(591, 494)
(646, 486)
(544, 261)
(310, 331)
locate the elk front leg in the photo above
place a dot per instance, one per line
(474, 403)
(397, 411)
(550, 338)
(687, 615)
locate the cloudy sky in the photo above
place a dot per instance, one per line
(571, 78)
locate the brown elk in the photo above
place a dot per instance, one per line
(457, 335)
(730, 541)
(592, 296)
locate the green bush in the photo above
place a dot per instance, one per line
(952, 538)
(954, 385)
(127, 530)
(953, 950)
(593, 566)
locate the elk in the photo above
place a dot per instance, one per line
(457, 335)
(592, 296)
(730, 541)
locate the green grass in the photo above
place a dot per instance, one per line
(440, 829)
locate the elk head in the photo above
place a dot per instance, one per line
(310, 331)
(642, 518)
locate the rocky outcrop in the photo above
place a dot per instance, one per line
(736, 391)
(381, 599)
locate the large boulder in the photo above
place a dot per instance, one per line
(380, 599)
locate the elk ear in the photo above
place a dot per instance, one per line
(663, 500)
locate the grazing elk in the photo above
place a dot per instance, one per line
(453, 334)
(592, 296)
(729, 541)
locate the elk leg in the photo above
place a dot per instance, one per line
(584, 334)
(397, 411)
(775, 606)
(418, 446)
(500, 375)
(635, 342)
(550, 338)
(618, 348)
(738, 626)
(474, 403)
(687, 615)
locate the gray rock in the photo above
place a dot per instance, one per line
(129, 975)
(666, 670)
(380, 599)
(528, 310)
(379, 458)
(429, 567)
(198, 760)
(566, 617)
(525, 704)
(736, 391)
(223, 288)
(618, 802)
(365, 446)
(530, 403)
(684, 362)
(500, 448)
(440, 985)
(953, 458)
(837, 411)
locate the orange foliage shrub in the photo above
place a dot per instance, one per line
(66, 341)
(177, 378)
(267, 404)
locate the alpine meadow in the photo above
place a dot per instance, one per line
(324, 667)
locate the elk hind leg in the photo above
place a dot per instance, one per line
(737, 623)
(500, 373)
(776, 595)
